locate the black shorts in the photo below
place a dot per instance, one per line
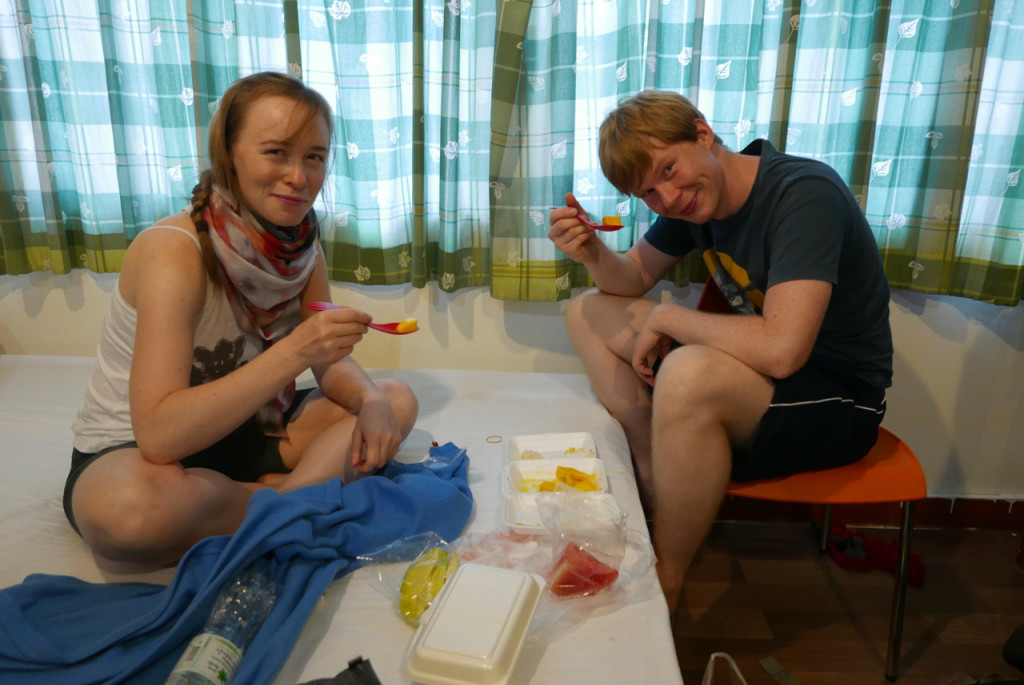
(815, 421)
(244, 455)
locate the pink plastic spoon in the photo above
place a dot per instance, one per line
(608, 223)
(407, 325)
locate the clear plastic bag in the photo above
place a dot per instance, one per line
(591, 543)
(412, 572)
(593, 525)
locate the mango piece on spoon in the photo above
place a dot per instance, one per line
(407, 326)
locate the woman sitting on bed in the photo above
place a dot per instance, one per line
(192, 406)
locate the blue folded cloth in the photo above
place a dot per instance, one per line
(59, 629)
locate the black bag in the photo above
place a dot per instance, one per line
(359, 672)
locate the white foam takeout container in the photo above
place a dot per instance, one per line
(551, 446)
(521, 511)
(474, 629)
(525, 476)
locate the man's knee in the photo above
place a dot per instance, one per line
(576, 312)
(582, 322)
(687, 373)
(611, 319)
(705, 385)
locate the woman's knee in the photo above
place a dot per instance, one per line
(120, 520)
(403, 400)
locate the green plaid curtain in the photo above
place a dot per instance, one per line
(97, 129)
(917, 104)
(104, 107)
(460, 124)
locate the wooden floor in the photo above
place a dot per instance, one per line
(762, 590)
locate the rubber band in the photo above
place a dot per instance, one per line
(494, 439)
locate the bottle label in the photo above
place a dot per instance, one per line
(211, 656)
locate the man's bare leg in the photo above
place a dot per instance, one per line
(705, 401)
(602, 329)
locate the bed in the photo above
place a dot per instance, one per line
(478, 410)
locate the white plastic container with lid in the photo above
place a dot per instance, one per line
(527, 476)
(551, 446)
(473, 631)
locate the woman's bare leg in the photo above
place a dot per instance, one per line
(320, 436)
(130, 509)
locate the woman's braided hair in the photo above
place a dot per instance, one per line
(225, 125)
(200, 196)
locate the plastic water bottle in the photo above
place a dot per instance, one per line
(213, 656)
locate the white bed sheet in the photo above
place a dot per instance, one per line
(39, 396)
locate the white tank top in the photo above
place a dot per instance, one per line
(219, 347)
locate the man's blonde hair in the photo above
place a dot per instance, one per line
(624, 147)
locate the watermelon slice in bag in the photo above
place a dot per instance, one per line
(579, 574)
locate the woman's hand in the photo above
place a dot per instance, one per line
(376, 437)
(569, 234)
(328, 336)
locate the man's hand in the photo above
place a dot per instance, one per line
(570, 235)
(650, 346)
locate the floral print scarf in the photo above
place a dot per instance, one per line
(264, 270)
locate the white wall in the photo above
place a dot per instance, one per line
(957, 400)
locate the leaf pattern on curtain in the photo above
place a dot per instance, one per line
(917, 105)
(408, 190)
(104, 106)
(461, 123)
(97, 130)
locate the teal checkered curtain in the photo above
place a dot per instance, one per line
(97, 129)
(578, 59)
(104, 107)
(917, 104)
(461, 123)
(408, 191)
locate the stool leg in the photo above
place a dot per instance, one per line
(899, 597)
(826, 524)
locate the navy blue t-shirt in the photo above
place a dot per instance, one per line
(800, 222)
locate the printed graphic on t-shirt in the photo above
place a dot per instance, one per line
(209, 365)
(733, 281)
